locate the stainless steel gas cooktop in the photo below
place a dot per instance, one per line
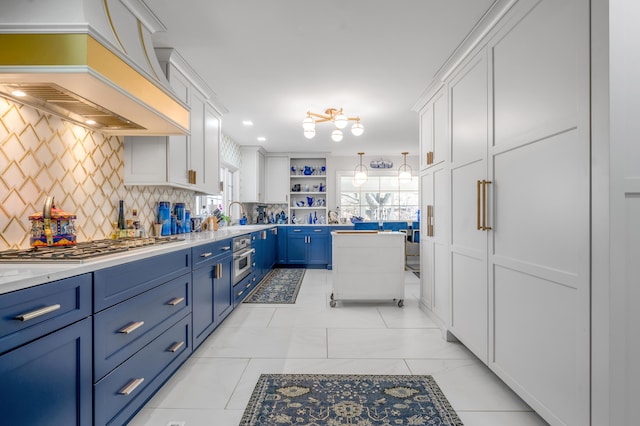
(80, 252)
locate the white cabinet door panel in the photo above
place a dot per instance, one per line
(427, 265)
(540, 199)
(535, 78)
(536, 320)
(440, 127)
(469, 290)
(468, 97)
(426, 135)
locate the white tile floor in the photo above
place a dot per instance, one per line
(212, 388)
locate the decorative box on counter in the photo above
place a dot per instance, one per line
(62, 227)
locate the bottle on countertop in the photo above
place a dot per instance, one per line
(121, 222)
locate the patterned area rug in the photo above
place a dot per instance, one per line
(358, 400)
(281, 285)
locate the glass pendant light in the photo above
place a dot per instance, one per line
(309, 133)
(357, 129)
(337, 135)
(308, 123)
(405, 172)
(360, 175)
(341, 120)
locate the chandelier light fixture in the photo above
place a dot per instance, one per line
(339, 120)
(405, 172)
(360, 173)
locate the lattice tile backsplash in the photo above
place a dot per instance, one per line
(42, 155)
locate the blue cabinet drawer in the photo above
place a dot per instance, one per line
(243, 288)
(113, 285)
(207, 253)
(121, 393)
(122, 330)
(28, 314)
(308, 230)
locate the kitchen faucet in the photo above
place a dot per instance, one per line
(241, 207)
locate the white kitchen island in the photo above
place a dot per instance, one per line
(368, 265)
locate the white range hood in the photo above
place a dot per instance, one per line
(89, 60)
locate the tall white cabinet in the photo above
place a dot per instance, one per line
(516, 194)
(189, 161)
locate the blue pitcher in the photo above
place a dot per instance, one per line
(308, 170)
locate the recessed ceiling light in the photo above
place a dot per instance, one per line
(262, 138)
(247, 123)
(18, 93)
(90, 122)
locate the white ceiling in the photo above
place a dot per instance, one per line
(272, 61)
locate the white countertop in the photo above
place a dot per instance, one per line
(20, 275)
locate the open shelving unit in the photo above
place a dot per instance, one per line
(308, 196)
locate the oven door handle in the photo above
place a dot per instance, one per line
(245, 254)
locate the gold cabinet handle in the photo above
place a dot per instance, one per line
(177, 300)
(37, 313)
(485, 212)
(131, 386)
(430, 157)
(218, 271)
(429, 221)
(131, 327)
(175, 346)
(479, 184)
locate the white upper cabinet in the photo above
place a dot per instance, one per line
(277, 179)
(434, 131)
(252, 185)
(183, 161)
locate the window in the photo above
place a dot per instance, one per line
(382, 197)
(206, 204)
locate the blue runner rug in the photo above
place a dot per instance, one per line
(336, 399)
(281, 285)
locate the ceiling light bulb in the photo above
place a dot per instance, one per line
(308, 124)
(336, 135)
(90, 122)
(18, 93)
(309, 133)
(357, 129)
(247, 123)
(262, 138)
(341, 121)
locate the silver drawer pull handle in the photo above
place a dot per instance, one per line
(37, 313)
(226, 248)
(176, 346)
(240, 293)
(177, 300)
(297, 230)
(128, 329)
(317, 230)
(131, 386)
(247, 285)
(207, 254)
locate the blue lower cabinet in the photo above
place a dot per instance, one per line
(308, 246)
(122, 392)
(123, 329)
(281, 245)
(212, 296)
(48, 381)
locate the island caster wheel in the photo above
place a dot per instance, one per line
(400, 303)
(332, 303)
